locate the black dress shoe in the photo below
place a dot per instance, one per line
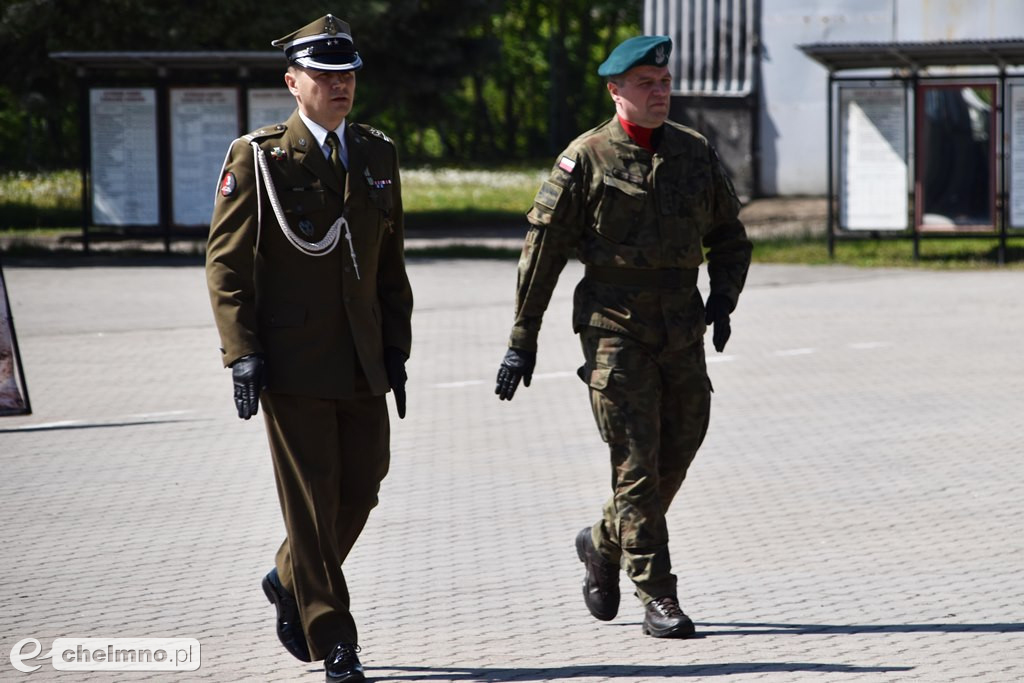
(289, 625)
(665, 619)
(342, 665)
(601, 582)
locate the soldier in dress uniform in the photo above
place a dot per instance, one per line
(307, 279)
(637, 200)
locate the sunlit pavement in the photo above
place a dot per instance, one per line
(856, 513)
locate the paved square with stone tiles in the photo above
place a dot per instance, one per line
(856, 512)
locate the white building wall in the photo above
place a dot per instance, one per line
(792, 90)
(959, 19)
(792, 131)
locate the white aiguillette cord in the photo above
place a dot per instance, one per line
(325, 245)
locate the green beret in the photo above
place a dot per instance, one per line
(637, 51)
(324, 45)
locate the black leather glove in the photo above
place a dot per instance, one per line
(249, 379)
(517, 365)
(394, 364)
(716, 311)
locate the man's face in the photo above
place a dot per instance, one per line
(642, 95)
(324, 96)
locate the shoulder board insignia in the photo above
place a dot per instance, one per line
(265, 132)
(376, 133)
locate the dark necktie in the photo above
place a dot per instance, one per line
(335, 145)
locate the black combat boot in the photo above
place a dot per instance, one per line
(601, 582)
(665, 619)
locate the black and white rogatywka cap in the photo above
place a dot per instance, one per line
(325, 45)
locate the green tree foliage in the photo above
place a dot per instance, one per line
(453, 80)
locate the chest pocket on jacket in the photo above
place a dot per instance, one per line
(621, 208)
(377, 192)
(302, 201)
(695, 193)
(305, 209)
(382, 200)
(369, 214)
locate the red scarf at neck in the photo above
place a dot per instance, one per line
(638, 134)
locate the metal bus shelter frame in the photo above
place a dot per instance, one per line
(160, 71)
(989, 62)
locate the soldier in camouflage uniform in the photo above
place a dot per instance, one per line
(637, 199)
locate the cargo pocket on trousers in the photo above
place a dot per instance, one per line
(607, 414)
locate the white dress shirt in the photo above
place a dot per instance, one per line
(320, 133)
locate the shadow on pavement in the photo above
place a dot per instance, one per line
(753, 629)
(624, 671)
(54, 427)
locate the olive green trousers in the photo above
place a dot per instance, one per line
(329, 459)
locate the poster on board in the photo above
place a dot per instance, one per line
(1016, 119)
(13, 394)
(873, 182)
(125, 172)
(204, 121)
(268, 106)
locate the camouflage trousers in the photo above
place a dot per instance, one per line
(652, 407)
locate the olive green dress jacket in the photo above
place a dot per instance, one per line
(321, 321)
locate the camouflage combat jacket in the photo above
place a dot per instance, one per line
(617, 206)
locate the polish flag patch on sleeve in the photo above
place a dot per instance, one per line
(566, 164)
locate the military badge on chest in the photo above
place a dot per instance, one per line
(375, 184)
(306, 227)
(378, 191)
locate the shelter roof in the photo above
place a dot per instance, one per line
(174, 61)
(917, 55)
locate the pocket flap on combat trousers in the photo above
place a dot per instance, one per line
(596, 378)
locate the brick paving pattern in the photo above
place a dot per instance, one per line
(856, 513)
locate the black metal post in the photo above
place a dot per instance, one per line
(831, 186)
(916, 233)
(85, 153)
(163, 146)
(242, 98)
(1002, 194)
